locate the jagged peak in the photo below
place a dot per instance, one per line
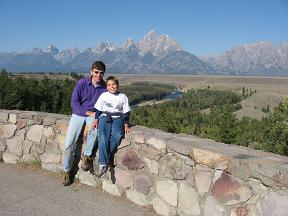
(52, 49)
(150, 35)
(69, 50)
(105, 46)
(51, 46)
(249, 47)
(165, 36)
(105, 43)
(258, 44)
(73, 49)
(264, 43)
(157, 45)
(128, 43)
(36, 50)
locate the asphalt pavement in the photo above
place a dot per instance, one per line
(33, 191)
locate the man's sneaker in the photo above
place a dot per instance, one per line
(87, 163)
(68, 179)
(102, 170)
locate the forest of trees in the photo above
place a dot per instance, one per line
(188, 115)
(50, 95)
(205, 113)
(35, 95)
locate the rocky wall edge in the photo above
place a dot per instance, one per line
(177, 174)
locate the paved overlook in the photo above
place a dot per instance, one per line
(29, 192)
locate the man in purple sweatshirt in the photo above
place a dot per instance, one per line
(84, 97)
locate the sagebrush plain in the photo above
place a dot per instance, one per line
(268, 85)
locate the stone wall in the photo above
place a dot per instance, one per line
(177, 174)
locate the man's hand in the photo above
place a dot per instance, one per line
(127, 128)
(95, 123)
(90, 113)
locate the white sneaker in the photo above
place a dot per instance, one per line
(102, 170)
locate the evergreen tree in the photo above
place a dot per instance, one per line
(277, 129)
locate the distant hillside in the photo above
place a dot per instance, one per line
(258, 105)
(255, 59)
(261, 101)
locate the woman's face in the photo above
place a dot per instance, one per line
(112, 87)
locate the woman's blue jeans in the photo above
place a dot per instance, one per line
(110, 133)
(75, 128)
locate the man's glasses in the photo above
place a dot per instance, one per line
(98, 71)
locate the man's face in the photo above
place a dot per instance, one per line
(97, 75)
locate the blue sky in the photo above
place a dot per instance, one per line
(200, 27)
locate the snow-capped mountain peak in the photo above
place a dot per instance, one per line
(104, 47)
(157, 45)
(52, 50)
(151, 35)
(128, 43)
(66, 56)
(252, 59)
(36, 50)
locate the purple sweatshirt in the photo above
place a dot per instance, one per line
(85, 95)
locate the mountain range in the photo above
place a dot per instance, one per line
(154, 55)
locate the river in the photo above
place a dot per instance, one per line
(172, 96)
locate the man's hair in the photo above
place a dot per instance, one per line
(98, 65)
(113, 79)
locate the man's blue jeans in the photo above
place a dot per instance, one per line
(74, 131)
(110, 134)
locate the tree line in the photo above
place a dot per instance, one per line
(54, 96)
(35, 95)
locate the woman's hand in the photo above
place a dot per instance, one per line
(127, 128)
(95, 123)
(90, 113)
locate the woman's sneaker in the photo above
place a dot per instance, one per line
(87, 163)
(102, 170)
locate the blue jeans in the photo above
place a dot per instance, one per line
(74, 131)
(110, 134)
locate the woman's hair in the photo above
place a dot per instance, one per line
(113, 79)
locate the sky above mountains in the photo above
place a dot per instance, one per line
(200, 27)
